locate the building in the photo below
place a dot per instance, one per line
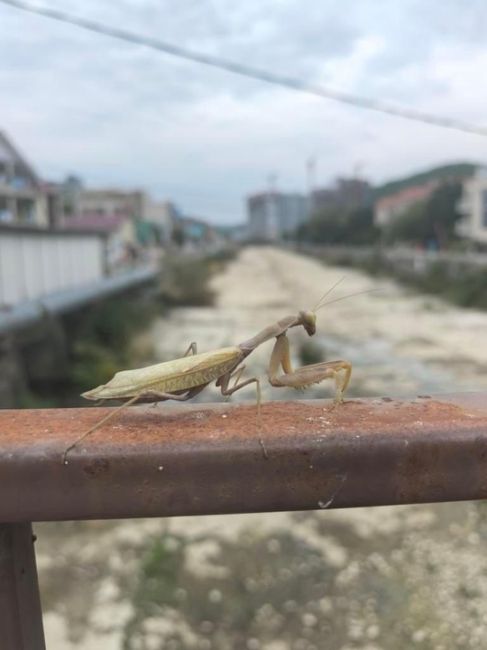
(397, 197)
(236, 234)
(271, 215)
(348, 193)
(389, 207)
(110, 201)
(194, 234)
(71, 189)
(473, 207)
(163, 215)
(22, 197)
(119, 232)
(53, 203)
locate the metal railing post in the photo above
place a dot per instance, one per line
(20, 605)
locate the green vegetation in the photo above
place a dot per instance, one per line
(340, 226)
(110, 335)
(466, 289)
(102, 338)
(460, 286)
(431, 222)
(156, 586)
(104, 335)
(311, 352)
(303, 586)
(185, 280)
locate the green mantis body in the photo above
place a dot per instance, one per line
(183, 378)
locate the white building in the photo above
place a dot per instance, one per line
(162, 214)
(473, 206)
(271, 215)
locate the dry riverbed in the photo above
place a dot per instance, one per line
(363, 579)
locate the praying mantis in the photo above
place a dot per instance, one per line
(185, 377)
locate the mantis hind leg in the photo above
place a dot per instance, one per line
(152, 395)
(98, 425)
(225, 380)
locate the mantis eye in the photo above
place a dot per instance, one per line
(308, 319)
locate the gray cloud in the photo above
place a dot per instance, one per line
(117, 113)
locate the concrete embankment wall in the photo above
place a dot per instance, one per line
(36, 357)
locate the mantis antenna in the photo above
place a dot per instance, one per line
(350, 295)
(333, 286)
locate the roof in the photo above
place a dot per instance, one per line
(9, 151)
(31, 229)
(96, 222)
(107, 192)
(408, 195)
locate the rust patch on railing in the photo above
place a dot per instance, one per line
(141, 424)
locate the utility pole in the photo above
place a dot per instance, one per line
(311, 173)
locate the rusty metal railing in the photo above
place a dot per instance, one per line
(207, 459)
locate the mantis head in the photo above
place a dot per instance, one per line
(308, 320)
(307, 317)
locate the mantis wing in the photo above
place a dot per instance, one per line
(176, 375)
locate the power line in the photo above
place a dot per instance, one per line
(254, 73)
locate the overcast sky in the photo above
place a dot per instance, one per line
(119, 114)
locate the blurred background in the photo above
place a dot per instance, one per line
(194, 171)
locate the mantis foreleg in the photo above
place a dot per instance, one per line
(313, 374)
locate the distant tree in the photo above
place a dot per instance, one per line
(411, 226)
(443, 213)
(431, 222)
(340, 226)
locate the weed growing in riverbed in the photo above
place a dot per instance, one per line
(466, 288)
(103, 339)
(105, 335)
(390, 582)
(311, 352)
(463, 287)
(185, 281)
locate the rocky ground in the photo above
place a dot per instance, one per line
(362, 579)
